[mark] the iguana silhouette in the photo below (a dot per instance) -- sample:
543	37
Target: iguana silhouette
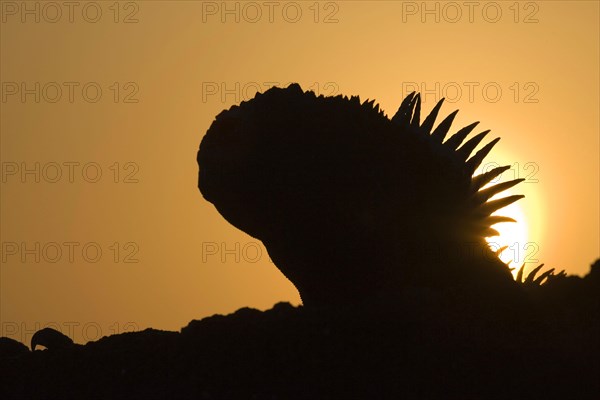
352	205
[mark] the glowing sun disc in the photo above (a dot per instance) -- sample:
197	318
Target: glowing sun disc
513	235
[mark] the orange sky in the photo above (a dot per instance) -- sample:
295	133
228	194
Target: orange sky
131	100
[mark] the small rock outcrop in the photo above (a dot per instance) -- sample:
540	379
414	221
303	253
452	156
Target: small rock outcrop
51	339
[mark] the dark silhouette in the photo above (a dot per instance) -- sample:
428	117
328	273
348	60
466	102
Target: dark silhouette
11	348
381	227
421	348
50	339
353	206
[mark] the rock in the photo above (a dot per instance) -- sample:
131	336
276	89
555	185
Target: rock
11	348
50	339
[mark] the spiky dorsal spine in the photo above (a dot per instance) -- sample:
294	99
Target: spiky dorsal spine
408	119
531	279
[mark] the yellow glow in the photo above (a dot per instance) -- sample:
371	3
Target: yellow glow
513	235
521	238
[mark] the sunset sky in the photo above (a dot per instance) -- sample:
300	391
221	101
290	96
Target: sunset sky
103	107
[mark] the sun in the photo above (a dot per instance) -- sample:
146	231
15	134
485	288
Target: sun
513	235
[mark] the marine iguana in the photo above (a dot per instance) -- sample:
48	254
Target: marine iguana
352	205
